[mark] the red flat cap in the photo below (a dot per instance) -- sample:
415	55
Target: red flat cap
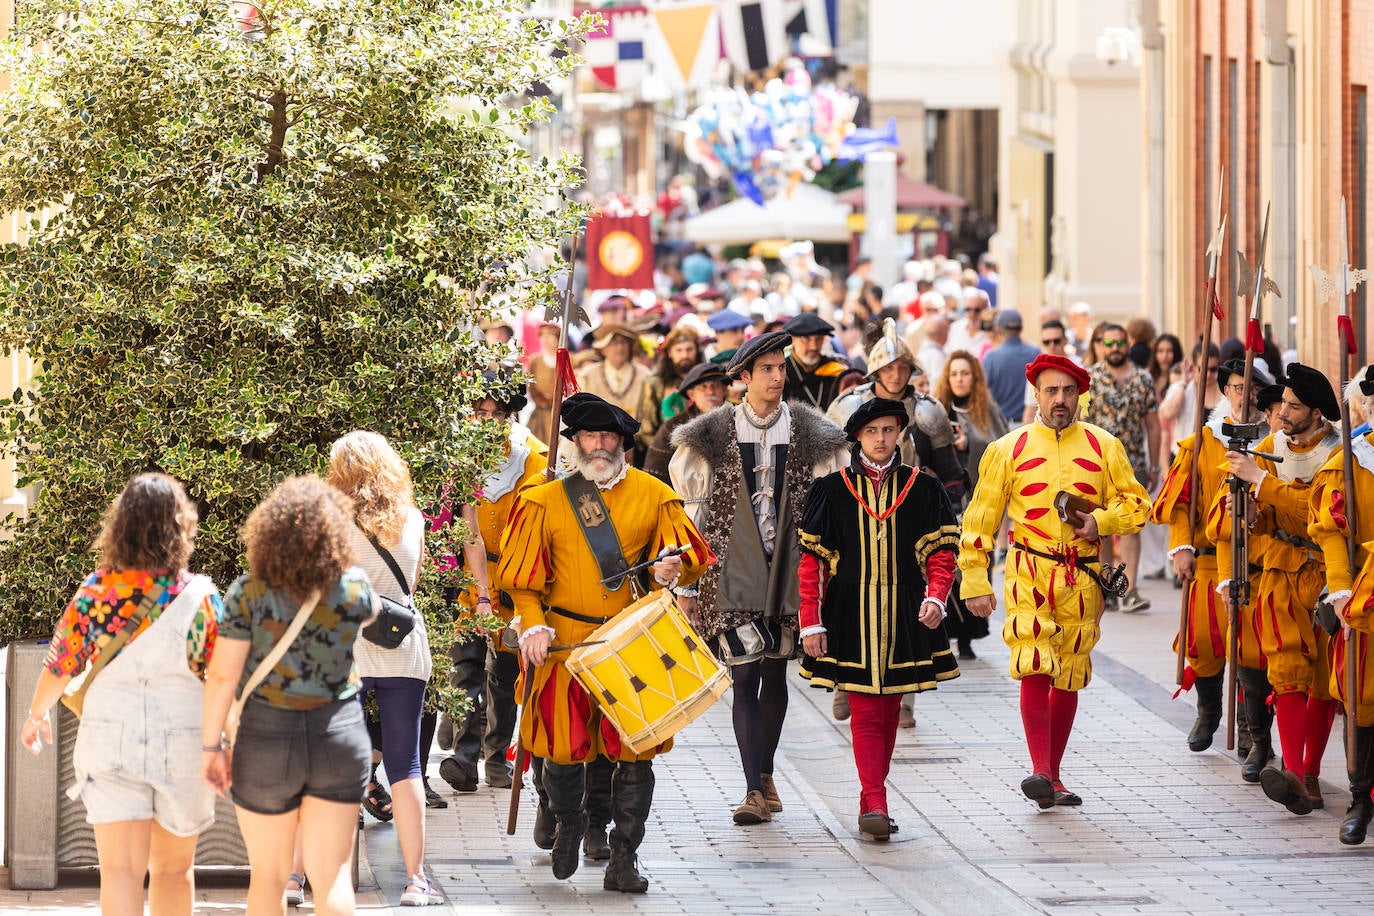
1062	363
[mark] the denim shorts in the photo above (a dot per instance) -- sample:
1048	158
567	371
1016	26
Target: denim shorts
132	776
283	755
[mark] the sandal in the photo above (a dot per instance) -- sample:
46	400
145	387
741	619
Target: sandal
377	802
295	890
420	892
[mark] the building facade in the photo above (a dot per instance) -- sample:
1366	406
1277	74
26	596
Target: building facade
1276	93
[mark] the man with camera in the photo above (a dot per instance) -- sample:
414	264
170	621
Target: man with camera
1055	582
1279	475
1195	564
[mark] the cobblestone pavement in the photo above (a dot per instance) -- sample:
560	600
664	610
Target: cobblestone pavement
1161	830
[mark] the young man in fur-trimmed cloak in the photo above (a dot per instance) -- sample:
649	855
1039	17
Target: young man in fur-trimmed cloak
743	472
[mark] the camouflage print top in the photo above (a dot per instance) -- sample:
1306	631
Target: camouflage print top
318	668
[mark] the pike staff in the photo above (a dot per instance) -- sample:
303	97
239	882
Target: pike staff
567	384
1348	280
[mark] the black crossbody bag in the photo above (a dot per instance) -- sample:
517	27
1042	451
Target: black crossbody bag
395	620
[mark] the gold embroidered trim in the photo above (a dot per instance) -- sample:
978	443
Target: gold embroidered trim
946	536
811	543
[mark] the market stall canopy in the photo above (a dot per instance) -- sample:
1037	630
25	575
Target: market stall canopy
911	195
808	213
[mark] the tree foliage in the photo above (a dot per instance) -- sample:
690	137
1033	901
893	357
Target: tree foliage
247	237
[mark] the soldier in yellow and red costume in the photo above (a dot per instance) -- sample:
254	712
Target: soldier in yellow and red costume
1352	599
1195	563
554	564
1053	592
1291	580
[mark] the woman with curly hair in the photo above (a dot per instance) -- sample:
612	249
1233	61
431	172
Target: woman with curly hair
963	389
140	629
388	527
301	756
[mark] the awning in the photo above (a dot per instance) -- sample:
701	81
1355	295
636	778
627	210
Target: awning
809	213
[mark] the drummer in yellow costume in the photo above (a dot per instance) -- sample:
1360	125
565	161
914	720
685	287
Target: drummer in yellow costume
1291	581
1352	597
1054	600
551	571
1195	564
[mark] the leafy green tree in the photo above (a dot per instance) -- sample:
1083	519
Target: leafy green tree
249	232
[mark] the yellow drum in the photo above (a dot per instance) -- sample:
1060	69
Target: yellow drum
651	673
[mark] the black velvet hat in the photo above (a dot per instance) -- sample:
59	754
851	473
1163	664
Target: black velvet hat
755	347
872	410
505	390
583	412
1237	367
703	372
1313	389
808	324
1269	396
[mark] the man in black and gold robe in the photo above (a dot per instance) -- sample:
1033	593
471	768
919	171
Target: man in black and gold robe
878	561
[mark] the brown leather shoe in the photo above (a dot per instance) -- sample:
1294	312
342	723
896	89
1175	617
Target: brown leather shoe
906	718
839	706
770	793
1313	785
753	810
1286	788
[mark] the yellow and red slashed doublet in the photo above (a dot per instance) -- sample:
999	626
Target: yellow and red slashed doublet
545	562
1052	607
1330	528
1207	618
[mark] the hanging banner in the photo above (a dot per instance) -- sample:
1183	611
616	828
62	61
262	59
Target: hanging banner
620	252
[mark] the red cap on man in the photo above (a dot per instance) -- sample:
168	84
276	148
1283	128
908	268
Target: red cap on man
1062	363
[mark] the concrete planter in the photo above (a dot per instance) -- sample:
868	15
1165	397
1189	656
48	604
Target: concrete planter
45	830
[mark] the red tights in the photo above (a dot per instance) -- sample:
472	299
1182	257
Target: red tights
1304	728
1047	715
873	726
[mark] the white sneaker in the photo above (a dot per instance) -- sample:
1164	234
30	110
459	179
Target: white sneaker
294	896
419	892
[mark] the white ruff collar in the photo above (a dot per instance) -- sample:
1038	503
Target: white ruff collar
504	479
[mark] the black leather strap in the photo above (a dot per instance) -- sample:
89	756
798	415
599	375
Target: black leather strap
391	563
573	615
595	521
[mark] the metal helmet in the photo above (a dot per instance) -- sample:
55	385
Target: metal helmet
889	349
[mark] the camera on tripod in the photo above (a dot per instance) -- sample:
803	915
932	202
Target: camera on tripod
1240	436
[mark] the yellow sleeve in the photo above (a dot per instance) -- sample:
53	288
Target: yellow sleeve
1329	527
1126	506
982	518
675	529
1282	504
524	571
1175	499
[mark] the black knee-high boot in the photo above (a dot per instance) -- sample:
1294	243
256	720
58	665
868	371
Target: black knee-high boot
1208	713
632	794
1355	827
1258	719
543	817
565	784
599	777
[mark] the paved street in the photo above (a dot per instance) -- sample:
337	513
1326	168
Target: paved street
1161	830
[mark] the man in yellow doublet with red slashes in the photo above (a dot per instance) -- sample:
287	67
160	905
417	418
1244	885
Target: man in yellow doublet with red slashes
1195	563
1053	596
1352	598
554	557
1295	648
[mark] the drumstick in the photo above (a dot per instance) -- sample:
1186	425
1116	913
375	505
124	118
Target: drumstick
512	642
672	552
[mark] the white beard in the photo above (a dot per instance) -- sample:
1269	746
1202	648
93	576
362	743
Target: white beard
600	471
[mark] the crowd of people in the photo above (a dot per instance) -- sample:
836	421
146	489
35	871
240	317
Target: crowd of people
815	470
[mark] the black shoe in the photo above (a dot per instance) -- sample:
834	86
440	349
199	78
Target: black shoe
1355	827
463	777
1286	788
499	777
1254	763
1208	713
877	825
623	875
1063	798
567	838
543	827
594	845
433	799
1038	789
966	649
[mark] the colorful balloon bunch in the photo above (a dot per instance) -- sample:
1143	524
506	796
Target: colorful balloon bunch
771	140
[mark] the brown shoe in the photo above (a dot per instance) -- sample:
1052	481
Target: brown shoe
906	718
839	706
753	810
770	793
1286	788
1313	786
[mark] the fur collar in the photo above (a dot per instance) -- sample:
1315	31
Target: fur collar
813	439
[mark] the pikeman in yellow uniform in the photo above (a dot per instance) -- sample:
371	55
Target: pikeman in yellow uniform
1291	581
1352	598
1054	589
563	561
1196	565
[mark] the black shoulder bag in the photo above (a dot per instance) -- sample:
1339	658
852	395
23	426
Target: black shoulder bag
395	620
